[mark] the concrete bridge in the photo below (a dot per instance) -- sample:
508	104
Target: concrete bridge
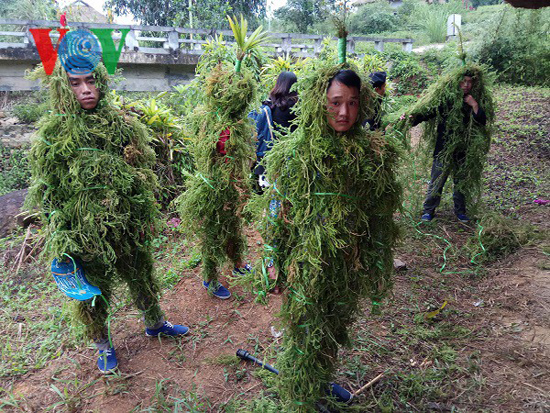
166	57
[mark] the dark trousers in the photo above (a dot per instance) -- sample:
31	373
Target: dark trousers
437	181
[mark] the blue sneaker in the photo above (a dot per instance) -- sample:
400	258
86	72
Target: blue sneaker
427	217
243	270
339	393
168	329
219	291
107	360
463	218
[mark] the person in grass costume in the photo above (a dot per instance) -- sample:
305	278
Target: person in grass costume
92	180
334	230
223	149
458	112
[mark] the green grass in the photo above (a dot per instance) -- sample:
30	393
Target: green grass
32	338
168	397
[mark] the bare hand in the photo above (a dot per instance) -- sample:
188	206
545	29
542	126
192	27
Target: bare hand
468	99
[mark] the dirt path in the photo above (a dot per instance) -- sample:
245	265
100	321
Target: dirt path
508	310
218	328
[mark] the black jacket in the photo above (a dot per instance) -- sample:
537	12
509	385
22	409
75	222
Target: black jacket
479	117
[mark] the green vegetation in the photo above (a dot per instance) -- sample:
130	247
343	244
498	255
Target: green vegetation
28	9
498	237
201	13
515	44
14	169
32	338
211	208
429	361
466	143
173	160
30	112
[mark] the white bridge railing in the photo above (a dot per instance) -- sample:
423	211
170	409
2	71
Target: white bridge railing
169	40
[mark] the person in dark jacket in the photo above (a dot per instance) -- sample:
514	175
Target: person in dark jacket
378	82
275	115
461	137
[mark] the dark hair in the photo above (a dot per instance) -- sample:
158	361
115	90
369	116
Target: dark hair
346	77
377	79
280	95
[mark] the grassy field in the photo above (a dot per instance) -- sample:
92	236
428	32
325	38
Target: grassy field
466	328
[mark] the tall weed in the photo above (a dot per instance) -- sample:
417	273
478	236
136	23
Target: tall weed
515	43
431	19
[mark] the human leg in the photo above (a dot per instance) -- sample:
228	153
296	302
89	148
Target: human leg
460	203
460	206
435	188
210	276
138	272
94	313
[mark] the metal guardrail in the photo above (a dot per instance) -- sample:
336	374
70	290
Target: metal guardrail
184	40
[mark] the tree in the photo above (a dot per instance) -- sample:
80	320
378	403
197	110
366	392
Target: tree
303	14
209	14
374	18
28	9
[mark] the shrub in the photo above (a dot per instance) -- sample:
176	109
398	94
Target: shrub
30	112
14	169
410	77
396	106
431	19
173	158
477	3
515	44
439	60
375	17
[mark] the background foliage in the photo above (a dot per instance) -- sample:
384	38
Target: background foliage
209	14
28	9
515	43
14	169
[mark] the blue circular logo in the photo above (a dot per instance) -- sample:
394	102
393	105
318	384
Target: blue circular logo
79	52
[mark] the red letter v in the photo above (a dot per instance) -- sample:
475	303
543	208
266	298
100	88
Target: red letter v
48	55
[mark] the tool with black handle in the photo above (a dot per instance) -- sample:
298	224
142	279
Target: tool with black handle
336	391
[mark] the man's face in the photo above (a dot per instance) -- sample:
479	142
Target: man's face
466	85
381	90
343	106
85	90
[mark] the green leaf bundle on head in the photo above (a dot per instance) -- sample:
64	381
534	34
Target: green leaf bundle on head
334	234
470	139
211	207
245	45
92	180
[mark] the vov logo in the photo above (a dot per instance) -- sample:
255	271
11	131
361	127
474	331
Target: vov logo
79	51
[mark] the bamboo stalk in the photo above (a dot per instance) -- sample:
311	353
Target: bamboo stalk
369	384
